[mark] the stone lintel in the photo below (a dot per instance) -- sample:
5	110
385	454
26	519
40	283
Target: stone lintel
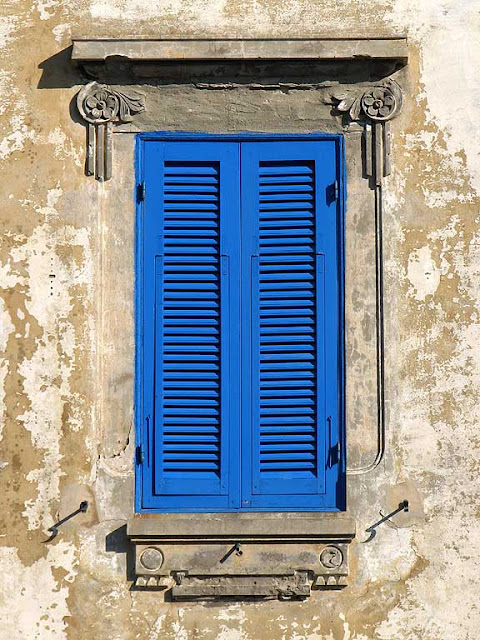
157	50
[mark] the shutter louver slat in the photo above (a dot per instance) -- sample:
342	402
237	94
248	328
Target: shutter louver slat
191	306
287	344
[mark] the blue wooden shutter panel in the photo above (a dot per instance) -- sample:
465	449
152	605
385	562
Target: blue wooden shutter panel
241	316
190	225
293	233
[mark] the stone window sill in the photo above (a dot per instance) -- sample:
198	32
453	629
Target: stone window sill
244	555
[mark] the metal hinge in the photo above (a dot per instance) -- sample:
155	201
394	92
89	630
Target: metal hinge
139	454
334	451
141	192
333	192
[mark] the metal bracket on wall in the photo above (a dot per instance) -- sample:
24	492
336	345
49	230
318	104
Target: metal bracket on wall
372	529
101	107
54	528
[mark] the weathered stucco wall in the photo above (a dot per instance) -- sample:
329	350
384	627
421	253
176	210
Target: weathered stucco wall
66	276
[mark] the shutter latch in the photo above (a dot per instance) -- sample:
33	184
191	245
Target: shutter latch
333	456
139	454
141	192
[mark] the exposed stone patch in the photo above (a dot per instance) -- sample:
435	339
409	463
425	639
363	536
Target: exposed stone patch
39	608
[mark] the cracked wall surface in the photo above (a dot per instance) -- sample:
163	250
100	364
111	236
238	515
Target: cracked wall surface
67	343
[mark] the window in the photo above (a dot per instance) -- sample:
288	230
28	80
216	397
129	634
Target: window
239	323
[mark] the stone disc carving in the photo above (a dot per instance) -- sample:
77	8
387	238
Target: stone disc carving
151	559
379	104
331	558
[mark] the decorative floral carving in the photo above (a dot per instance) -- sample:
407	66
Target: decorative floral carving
374	107
99	104
379	103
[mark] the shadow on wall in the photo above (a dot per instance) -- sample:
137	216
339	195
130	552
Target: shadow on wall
117	542
59	72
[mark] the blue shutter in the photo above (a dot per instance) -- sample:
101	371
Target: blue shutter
239	326
191	224
291	323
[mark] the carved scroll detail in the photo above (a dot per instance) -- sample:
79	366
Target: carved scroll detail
375	107
101	106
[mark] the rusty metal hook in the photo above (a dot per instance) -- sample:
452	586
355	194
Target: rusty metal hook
54	528
403	506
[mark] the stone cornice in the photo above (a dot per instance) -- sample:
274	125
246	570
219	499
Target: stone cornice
87	50
372	106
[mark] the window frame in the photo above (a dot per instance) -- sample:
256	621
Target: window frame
141	441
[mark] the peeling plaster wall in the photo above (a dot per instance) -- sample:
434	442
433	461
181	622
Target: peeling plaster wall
66	378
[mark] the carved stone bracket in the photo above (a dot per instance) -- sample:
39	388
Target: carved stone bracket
101	107
374	107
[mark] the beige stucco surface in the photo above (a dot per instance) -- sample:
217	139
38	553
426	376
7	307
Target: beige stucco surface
66	334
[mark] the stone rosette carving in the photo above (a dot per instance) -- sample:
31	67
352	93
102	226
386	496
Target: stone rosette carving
379	103
373	106
101	106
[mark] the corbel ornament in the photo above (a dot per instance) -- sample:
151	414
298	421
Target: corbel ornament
101	107
374	107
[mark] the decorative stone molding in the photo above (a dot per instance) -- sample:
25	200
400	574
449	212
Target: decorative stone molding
240	555
101	106
374	107
259	569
